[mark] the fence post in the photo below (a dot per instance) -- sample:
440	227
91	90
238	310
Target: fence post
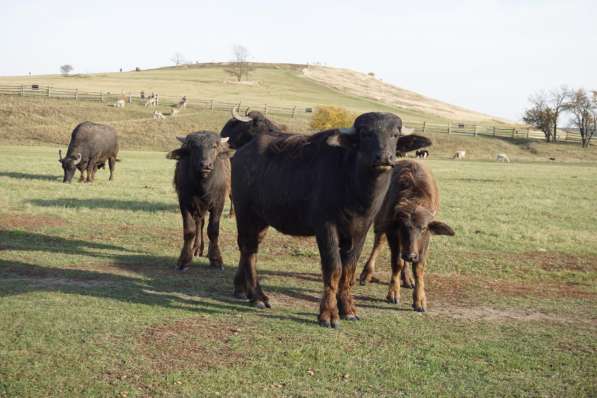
528	133
211	105
293	112
265	109
424	127
449	127
76	94
22	90
49	91
475	132
514	133
494	131
130	99
101	96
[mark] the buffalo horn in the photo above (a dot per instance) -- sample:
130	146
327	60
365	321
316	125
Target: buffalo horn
239	117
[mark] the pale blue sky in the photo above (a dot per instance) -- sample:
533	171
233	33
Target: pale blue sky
484	55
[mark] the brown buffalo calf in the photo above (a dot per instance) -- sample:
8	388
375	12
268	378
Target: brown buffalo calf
407	220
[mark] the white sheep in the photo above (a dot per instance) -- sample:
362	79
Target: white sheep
502	157
119	104
459	155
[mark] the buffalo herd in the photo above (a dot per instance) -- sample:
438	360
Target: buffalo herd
333	185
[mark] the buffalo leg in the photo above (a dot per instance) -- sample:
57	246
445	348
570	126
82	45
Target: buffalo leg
82	178
189	232
397	268
369	268
231	212
250	234
331	267
406	278
350	251
112	165
419	298
213	233
199	245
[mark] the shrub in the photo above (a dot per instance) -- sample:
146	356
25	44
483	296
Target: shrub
331	117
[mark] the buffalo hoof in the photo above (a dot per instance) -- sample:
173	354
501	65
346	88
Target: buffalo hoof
328	324
262	304
217	264
239	294
408	285
419	309
393	300
183	267
351	317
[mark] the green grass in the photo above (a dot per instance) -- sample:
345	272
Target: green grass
90	304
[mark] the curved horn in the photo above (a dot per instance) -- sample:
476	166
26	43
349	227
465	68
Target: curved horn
78	159
224	140
239	117
181	138
349	130
60	155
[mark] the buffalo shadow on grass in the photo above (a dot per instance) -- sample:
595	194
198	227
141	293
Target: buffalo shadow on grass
104	203
28	176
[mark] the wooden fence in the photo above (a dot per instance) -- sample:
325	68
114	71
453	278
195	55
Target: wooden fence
456	128
34	90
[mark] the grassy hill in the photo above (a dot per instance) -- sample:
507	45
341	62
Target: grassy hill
273	84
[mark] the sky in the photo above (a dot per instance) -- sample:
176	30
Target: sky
488	56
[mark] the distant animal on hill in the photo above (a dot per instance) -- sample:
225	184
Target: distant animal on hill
459	155
158	115
174	112
91	145
407	220
182	103
422	154
119	104
152	100
502	157
329	184
201	179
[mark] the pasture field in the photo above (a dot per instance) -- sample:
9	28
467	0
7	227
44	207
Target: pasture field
90	304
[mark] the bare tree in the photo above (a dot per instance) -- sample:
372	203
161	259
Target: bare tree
66	69
178	58
240	67
583	109
545	111
540	115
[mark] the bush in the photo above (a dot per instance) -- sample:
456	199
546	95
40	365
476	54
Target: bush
331	117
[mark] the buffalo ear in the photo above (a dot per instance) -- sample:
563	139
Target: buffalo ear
177	154
225	151
440	228
407	143
341	140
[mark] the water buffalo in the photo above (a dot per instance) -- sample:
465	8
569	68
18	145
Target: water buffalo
91	144
201	181
330	185
242	129
407	220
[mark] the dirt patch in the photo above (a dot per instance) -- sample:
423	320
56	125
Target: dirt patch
484	313
194	342
29	222
556	261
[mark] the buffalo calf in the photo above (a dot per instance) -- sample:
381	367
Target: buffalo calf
407	220
201	180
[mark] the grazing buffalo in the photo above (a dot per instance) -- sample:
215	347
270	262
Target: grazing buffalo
330	185
91	144
201	181
407	220
422	154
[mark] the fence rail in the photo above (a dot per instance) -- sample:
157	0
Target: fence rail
455	128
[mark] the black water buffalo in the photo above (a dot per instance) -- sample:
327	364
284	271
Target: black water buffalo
330	185
91	145
201	180
242	129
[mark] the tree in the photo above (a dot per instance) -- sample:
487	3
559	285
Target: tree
177	58
583	109
240	66
66	69
557	99
541	116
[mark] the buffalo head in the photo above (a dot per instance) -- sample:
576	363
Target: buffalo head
202	149
69	165
241	129
416	226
